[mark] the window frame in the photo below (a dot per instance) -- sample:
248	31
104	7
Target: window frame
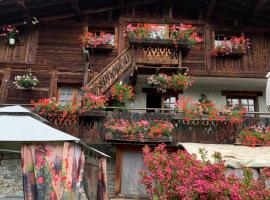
75	93
243	95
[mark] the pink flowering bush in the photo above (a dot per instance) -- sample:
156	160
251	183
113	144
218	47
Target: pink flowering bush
179	175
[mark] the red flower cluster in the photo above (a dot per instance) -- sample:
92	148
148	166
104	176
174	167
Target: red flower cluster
93	102
180	175
237	45
138	130
182	32
9	31
59	114
176	82
121	93
196	110
255	135
92	40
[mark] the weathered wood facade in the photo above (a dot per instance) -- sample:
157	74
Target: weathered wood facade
53	51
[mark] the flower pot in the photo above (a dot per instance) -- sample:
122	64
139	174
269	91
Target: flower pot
27	85
11	41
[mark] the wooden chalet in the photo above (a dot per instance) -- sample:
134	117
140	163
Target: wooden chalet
52	49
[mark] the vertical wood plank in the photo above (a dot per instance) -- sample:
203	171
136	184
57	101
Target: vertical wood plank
53	84
4	84
118	174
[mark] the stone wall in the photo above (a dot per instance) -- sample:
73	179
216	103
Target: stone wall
11	184
111	176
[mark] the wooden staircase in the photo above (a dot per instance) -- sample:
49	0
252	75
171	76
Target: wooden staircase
121	65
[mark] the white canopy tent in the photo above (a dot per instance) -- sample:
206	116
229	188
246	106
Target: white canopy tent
268	91
19	125
235	156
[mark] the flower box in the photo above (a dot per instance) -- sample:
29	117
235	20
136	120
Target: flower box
241	141
131	138
102	47
94	113
182	44
233	52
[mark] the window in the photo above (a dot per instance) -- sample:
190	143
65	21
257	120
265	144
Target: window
248	103
169	102
68	94
248	100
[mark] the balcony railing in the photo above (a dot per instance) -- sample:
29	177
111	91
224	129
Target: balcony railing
201	130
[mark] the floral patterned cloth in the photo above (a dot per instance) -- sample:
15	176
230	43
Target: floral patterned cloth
102	180
52	171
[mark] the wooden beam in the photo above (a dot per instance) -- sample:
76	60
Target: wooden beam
114	7
210	9
53	84
76	7
25	11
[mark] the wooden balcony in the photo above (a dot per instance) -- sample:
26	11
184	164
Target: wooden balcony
158	51
198	130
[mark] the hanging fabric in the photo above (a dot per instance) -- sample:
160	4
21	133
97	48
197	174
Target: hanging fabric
52	171
102	180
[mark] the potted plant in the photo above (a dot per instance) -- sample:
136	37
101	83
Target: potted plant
255	135
180	81
161	81
121	93
91	102
10	32
27	81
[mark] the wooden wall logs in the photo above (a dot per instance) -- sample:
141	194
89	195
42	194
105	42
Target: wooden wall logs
24	50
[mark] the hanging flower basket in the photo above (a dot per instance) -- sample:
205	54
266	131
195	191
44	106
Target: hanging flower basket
27	81
10	32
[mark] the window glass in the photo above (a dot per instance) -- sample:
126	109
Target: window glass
246	102
169	102
67	95
158	32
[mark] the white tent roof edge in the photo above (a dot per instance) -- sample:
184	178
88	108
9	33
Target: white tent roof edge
20	125
235	156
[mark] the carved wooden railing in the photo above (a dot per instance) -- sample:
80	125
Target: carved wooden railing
197	130
111	73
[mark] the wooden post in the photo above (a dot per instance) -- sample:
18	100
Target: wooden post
4	84
53	84
180	59
119	154
86	53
